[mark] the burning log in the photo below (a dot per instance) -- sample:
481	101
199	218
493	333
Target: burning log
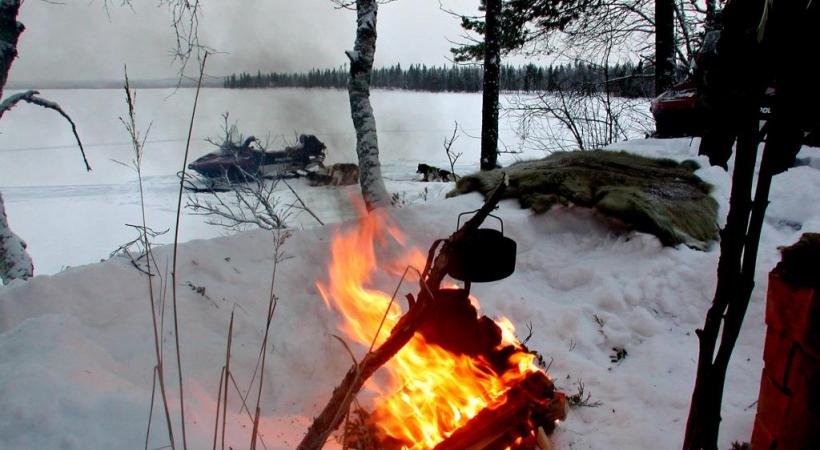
515	422
331	416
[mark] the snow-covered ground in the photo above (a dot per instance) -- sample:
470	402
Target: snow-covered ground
77	346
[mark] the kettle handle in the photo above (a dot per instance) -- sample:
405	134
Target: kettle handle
458	223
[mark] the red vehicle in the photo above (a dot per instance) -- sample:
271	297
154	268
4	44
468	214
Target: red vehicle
679	111
676	112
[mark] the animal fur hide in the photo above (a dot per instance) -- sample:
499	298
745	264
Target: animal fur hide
657	196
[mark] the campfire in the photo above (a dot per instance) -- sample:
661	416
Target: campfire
458	380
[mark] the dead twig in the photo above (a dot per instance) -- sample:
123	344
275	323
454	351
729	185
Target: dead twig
304	206
218	404
279	236
144	238
31	96
452	155
227	374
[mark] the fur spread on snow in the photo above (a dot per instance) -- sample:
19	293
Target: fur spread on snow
657	196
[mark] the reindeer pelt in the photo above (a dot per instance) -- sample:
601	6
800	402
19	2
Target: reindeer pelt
657	196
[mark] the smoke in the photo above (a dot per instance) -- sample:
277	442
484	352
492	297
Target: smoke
87	41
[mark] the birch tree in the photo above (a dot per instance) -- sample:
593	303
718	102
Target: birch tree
15	263
361	111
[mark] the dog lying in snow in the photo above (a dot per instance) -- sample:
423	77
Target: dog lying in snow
335	175
430	173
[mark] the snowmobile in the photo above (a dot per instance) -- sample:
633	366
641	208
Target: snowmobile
247	161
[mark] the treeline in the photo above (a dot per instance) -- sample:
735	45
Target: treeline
625	80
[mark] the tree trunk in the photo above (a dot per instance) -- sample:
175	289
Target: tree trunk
367	143
704	412
755	48
15	263
664	45
492	69
711	14
10	30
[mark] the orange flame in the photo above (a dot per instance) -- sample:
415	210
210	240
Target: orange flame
430	392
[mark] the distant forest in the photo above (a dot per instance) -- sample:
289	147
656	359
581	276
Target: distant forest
625	80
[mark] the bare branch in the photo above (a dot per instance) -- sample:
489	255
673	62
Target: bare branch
452	155
304	206
31	96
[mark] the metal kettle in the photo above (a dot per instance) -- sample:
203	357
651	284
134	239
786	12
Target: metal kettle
483	255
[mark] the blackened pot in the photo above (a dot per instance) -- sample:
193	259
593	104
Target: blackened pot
482	256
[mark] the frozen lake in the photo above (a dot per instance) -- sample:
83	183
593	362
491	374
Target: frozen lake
70	217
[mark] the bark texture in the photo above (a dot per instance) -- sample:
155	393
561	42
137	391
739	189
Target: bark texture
367	142
756	48
10	30
664	45
14	261
492	69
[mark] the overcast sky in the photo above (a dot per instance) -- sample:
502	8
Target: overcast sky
78	40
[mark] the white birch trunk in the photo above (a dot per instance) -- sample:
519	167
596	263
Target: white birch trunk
367	143
15	263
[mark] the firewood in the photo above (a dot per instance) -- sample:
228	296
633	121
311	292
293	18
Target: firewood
331	416
530	404
542	439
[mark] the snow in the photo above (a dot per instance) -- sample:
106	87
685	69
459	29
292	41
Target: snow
77	345
69	217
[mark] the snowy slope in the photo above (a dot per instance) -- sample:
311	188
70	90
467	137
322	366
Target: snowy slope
77	347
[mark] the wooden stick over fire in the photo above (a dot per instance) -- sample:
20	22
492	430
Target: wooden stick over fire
331	416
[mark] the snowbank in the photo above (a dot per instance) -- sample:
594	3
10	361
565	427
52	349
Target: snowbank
77	347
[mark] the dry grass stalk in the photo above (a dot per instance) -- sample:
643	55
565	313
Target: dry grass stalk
228	373
218	404
279	238
138	144
176	248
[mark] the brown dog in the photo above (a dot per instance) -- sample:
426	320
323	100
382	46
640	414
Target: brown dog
335	175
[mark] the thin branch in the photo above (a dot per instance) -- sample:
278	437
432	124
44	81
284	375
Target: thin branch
31	96
452	156
304	206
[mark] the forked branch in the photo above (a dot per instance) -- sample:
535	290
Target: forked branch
331	416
